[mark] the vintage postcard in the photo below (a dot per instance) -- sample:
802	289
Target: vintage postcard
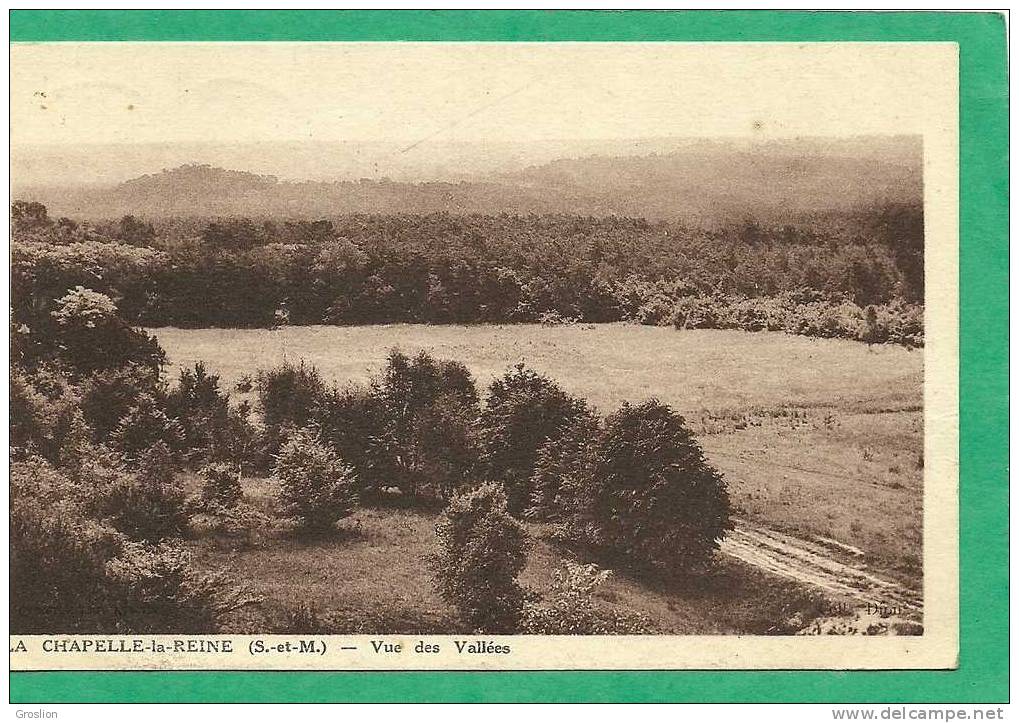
484	356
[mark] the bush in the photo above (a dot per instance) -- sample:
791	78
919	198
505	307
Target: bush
410	384
144	426
148	504
444	446
564	469
203	412
89	336
243	441
27	426
417	394
315	486
354	422
481	550
657	502
45	418
161	593
221	485
220	508
107	396
569	607
58	557
76	574
288	396
806	312
523	411
694	312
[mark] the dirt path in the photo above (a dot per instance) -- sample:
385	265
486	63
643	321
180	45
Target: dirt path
826	564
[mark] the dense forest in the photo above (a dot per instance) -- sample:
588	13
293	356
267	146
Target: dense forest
856	276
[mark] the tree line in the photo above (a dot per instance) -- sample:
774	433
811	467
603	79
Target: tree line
857	276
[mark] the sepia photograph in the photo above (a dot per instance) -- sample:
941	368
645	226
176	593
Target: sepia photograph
483	355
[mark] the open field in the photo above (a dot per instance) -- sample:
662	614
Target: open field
817	438
692	370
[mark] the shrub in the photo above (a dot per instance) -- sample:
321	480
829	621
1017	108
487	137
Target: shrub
162	593
243	444
220	508
416	395
315	486
656	501
144	426
694	312
564	469
302	619
240	525
203	412
554	318
58	567
481	550
148	504
221	485
905	323
569	607
444	446
410	384
288	396
89	336
523	411
76	574
354	422
58	556
108	395
45	418
806	312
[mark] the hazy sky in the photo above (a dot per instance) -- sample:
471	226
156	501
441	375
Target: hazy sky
414	92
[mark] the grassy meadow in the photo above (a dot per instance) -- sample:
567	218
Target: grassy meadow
819	438
373	577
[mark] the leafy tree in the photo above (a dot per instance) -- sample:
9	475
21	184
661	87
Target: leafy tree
523	411
417	394
89	336
135	232
657	502
288	396
232	235
27	216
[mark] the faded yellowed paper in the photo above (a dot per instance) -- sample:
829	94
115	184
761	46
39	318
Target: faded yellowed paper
788	90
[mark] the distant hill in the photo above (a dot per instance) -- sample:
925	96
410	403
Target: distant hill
706	181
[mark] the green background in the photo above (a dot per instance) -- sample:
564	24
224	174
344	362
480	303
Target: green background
983	667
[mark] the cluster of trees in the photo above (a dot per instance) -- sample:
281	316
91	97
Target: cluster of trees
633	489
97	506
99	510
804	313
465	269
